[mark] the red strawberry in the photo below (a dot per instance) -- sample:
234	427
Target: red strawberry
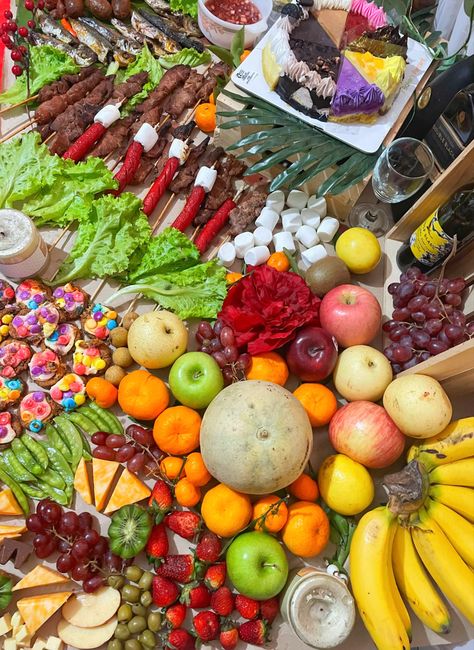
161	500
206	626
176	614
182	568
209	547
269	609
196	596
222	601
253	632
180	640
215	576
229	636
247	607
157	546
164	591
184	523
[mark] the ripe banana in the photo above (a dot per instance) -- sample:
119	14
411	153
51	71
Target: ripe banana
447	568
415	584
458	530
458	498
370	555
454	443
398	600
461	472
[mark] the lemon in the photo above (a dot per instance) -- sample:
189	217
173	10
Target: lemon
345	485
359	249
270	67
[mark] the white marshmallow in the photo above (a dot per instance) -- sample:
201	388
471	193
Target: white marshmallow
243	243
107	115
179	149
328	228
303	266
146	136
262	236
291	220
226	254
310	217
276	200
297	199
267	218
318	204
256	256
206	178
307	236
283	240
313	254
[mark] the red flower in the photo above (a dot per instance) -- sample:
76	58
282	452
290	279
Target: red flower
265	309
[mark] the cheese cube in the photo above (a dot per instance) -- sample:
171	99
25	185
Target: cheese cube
54	643
5	624
39	644
17	622
10	644
22	636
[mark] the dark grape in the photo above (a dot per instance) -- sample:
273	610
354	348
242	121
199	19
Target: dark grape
44	544
215	345
470	328
396	367
457	285
112	562
397	333
92	584
41	505
424	356
417	302
410	363
433	326
35	524
406	340
418	317
243	362
458	318
99	438
227	336
205	330
443	286
80	549
231	353
429	289
199	338
125	453
442	336
453	299
142	436
228	375
51	512
399	302
432	310
388	325
69	524
103	453
435	347
63	546
220	359
91	536
406	290
136	463
421	339
392	288
388	351
206	349
455	333
85	521
218	325
114	441
101	547
413	272
402	314
401	354
79	572
65	563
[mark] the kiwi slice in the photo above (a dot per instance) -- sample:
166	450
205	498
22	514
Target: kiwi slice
129	531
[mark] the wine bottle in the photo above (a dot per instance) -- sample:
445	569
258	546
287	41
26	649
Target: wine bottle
432	241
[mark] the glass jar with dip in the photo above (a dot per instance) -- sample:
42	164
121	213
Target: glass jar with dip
220	20
318	607
23	252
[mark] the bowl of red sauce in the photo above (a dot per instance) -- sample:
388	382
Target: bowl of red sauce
219	20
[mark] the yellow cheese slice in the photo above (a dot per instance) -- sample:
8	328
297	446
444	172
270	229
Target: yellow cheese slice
8	503
9	531
36	610
81	482
129	489
104	472
39	576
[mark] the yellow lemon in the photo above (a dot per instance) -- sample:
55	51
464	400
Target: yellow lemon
345	485
359	249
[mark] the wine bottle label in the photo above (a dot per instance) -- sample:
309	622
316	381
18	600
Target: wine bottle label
429	243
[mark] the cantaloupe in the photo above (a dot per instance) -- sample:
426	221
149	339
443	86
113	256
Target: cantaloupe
81	482
36	610
12	531
40	576
129	489
104	472
256	437
8	503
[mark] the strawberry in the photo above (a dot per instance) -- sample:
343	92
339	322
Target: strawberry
175	615
164	591
184	523
215	576
161	500
206	626
222	601
209	547
182	568
247	607
229	636
269	609
157	546
180	639
196	596
253	632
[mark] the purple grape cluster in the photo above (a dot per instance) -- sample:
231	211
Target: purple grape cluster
219	342
136	448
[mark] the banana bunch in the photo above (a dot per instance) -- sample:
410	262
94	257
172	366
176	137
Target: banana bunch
394	558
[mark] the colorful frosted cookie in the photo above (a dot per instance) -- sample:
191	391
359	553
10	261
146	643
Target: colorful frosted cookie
11	391
69	392
46	368
91	357
7	294
35	324
71	301
63	338
31	294
6	317
98	321
10	427
14	357
36	409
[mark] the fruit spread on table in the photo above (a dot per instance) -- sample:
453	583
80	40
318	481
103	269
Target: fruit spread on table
204	470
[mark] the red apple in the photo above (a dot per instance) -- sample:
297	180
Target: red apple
312	354
365	432
352	314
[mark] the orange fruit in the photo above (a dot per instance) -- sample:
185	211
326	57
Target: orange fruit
186	493
271	517
230	278
212	99
176	430
318	401
304	488
172	467
306	533
205	117
195	470
268	366
244	55
225	511
142	395
279	261
102	391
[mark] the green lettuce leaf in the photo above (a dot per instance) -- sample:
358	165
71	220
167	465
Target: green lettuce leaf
187	56
185	6
46	65
145	62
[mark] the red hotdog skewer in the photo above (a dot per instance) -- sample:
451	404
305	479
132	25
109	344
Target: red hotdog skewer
144	140
215	224
178	154
203	184
84	143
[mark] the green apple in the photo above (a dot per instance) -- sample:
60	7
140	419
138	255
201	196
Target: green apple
195	379
257	565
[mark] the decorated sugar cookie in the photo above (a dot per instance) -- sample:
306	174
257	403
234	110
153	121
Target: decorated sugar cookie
69	392
70	300
6	317
98	321
36	324
7	294
10	427
11	391
46	368
91	357
31	293
36	409
14	357
63	338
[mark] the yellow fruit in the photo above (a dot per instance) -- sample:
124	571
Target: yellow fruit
345	485
461	472
271	69
359	249
458	530
453	443
460	499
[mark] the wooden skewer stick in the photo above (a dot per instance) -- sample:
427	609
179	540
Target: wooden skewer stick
58	239
195	233
18	129
24	101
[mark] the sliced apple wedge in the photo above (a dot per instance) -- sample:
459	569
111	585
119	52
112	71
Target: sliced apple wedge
91	610
85	638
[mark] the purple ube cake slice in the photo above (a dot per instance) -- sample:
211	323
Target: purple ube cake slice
355	98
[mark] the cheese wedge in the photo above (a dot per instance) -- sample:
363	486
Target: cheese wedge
129	489
104	472
81	482
36	610
11	531
8	503
40	576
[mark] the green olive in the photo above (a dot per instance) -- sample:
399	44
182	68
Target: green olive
124	613
139	610
122	632
137	624
154	621
130	593
146	580
117	582
115	644
133	644
146	599
133	573
147	639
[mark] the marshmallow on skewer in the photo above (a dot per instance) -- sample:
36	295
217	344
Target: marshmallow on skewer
243	242
257	255
307	236
318	204
328	228
276	201
282	240
297	199
291	220
267	218
226	254
310	217
313	254
262	236
107	115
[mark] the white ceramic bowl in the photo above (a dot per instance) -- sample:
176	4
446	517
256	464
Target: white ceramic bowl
220	32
